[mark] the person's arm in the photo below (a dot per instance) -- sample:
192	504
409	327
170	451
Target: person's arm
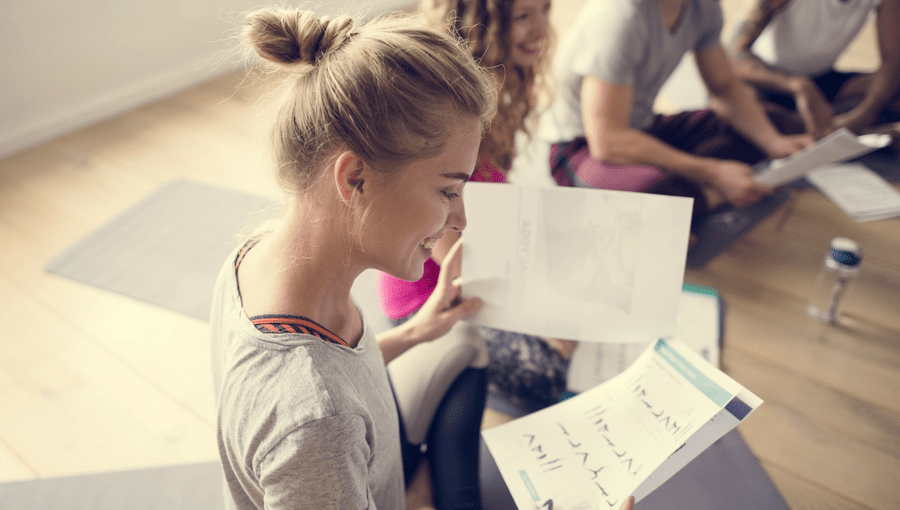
814	108
884	83
439	313
606	108
734	101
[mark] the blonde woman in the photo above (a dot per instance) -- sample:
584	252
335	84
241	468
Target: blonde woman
377	135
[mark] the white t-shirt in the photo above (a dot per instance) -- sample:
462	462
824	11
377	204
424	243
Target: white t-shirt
624	42
807	36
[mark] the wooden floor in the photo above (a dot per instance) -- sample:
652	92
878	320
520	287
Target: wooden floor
91	381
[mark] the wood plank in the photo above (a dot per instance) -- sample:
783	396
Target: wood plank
223	144
871	424
785	437
802	494
12	466
866	380
70	407
166	348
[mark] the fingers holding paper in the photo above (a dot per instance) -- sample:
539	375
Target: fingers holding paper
445	307
786	145
734	180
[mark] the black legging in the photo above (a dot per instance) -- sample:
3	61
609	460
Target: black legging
452	444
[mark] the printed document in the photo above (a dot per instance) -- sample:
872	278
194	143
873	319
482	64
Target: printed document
624	437
698	325
840	145
575	263
860	192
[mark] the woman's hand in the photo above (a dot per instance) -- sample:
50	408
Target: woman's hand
628	504
445	307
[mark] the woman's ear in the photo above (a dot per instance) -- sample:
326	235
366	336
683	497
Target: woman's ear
348	175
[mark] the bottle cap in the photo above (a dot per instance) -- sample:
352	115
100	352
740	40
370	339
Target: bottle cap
846	252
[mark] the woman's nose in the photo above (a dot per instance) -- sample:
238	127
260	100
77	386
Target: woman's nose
541	25
457	218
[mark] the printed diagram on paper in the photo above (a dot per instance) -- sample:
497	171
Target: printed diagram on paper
579	264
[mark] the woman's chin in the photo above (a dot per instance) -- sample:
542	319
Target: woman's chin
411	274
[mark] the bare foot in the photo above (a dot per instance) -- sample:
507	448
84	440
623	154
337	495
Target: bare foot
420	492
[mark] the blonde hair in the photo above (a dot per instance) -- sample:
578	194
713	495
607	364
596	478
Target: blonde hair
387	90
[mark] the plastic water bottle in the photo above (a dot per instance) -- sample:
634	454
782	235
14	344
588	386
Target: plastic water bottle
839	270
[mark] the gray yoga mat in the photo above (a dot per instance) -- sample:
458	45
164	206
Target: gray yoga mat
168	248
183	487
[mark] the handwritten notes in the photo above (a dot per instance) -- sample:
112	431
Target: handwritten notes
840	145
574	263
626	436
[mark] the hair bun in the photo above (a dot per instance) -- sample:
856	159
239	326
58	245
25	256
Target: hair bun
293	36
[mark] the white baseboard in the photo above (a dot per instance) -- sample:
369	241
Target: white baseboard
108	105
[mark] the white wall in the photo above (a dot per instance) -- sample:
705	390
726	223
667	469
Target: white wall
65	64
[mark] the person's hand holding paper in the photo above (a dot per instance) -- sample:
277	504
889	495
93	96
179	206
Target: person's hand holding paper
840	145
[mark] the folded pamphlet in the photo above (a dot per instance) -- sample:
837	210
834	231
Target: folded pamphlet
624	437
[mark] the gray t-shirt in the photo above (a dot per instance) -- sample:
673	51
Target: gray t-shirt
808	36
302	423
624	42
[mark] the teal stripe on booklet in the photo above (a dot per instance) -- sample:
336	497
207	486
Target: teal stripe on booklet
529	485
712	390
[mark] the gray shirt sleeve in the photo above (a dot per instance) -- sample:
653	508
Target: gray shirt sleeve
613	47
322	465
711	30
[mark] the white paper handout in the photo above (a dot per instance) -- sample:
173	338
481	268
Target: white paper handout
698	326
624	437
575	263
840	145
860	192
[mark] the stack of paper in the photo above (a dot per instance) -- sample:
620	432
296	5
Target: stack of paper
624	437
698	325
860	192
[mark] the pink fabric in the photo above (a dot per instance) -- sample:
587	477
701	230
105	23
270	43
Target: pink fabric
603	175
399	298
487	172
